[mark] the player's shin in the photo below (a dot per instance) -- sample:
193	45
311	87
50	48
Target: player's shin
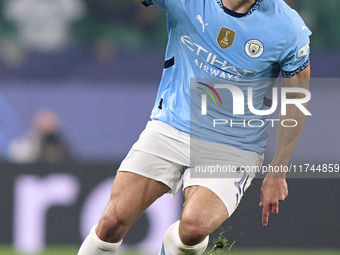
172	244
92	245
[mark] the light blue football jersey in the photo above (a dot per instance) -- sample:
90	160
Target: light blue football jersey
249	50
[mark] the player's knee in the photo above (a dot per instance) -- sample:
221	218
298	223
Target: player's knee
112	226
192	230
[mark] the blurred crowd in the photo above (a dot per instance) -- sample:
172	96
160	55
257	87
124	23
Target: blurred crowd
53	25
42	142
108	25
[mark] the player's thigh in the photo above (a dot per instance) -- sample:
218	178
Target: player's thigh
131	195
203	212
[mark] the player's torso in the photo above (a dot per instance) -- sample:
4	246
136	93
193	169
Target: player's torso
206	42
217	44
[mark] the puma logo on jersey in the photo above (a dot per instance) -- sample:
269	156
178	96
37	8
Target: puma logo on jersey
201	21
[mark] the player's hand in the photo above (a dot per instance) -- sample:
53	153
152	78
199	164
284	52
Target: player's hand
273	191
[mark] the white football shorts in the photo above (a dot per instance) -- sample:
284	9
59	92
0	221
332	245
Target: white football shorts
166	154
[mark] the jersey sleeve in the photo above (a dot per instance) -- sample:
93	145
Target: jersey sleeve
295	56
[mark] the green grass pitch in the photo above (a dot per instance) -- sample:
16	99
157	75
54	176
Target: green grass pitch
72	250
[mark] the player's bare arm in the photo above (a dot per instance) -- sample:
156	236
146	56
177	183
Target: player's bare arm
274	188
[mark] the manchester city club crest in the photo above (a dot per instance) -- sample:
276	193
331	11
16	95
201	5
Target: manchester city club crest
254	48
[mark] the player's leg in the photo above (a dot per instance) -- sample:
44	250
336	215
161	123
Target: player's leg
160	155
203	212
131	195
209	201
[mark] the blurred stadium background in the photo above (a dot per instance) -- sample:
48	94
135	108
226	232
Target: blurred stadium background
78	79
